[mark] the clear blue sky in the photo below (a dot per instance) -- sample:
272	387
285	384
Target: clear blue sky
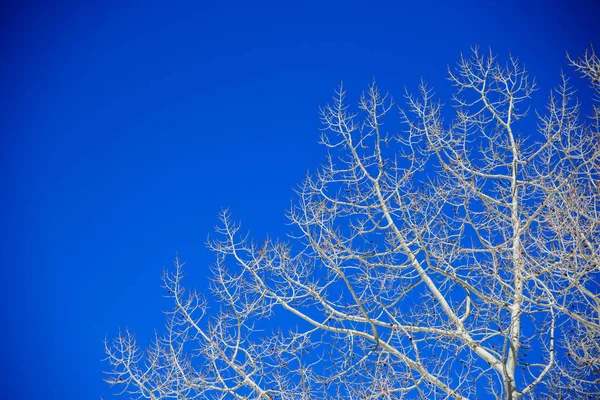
127	126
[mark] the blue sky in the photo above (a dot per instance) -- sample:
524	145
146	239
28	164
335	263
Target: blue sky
127	126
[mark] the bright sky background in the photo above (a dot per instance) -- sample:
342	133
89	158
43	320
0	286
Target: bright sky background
127	126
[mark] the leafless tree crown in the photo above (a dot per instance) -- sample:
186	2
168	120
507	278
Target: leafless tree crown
456	259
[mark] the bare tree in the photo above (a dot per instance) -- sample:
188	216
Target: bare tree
454	260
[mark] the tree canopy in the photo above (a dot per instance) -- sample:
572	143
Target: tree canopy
456	258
